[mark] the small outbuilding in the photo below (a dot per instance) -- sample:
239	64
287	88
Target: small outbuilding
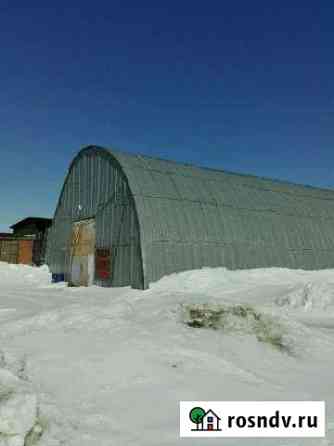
31	227
27	243
125	219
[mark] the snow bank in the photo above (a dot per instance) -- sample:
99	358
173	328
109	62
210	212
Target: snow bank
86	362
18	410
18	415
309	296
23	275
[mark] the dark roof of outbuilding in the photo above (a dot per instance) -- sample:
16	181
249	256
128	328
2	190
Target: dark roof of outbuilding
38	220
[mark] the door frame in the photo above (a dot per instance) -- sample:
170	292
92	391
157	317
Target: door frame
82	267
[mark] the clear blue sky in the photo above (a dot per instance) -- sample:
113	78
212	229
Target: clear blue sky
241	85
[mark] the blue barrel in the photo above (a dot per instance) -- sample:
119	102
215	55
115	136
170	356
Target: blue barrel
58	277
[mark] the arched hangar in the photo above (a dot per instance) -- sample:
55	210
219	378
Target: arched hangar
125	219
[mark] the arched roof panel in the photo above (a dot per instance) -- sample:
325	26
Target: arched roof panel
192	217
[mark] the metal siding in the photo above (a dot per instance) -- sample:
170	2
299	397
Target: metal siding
191	217
252	221
97	184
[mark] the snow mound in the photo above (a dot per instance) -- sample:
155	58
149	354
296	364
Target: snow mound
309	296
18	410
18	415
78	359
24	275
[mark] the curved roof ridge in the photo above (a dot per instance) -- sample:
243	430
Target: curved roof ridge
212	169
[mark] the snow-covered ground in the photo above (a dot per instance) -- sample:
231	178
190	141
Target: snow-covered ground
108	367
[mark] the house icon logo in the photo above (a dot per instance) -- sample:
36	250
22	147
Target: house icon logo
204	420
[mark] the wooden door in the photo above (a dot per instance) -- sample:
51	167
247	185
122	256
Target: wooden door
25	252
82	253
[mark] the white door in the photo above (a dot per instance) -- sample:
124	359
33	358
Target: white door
83	253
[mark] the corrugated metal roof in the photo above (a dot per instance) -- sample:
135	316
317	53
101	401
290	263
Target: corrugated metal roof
191	217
